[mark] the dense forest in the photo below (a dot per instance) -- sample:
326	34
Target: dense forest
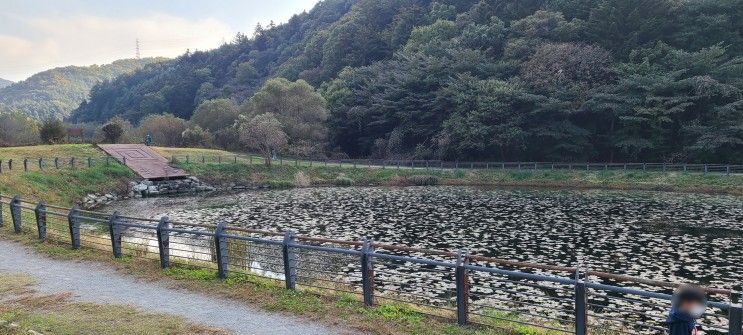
57	92
5	83
581	80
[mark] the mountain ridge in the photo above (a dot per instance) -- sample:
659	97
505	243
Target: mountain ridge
518	80
54	93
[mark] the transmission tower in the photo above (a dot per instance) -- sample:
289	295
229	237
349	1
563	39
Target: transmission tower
137	48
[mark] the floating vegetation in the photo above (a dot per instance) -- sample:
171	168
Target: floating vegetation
662	236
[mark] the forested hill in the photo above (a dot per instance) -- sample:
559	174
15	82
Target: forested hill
599	80
4	83
57	92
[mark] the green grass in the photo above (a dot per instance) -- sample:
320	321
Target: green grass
65	185
286	176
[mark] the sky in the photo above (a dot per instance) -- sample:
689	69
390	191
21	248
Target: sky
36	35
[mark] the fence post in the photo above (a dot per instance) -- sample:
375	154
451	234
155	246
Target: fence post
235	159
56	163
219	159
367	273
72	162
735	316
2	223
706	168
1	166
290	261
74	223
15	213
727	170
40	212
10	164
220	242
644	166
188	159
581	316
463	289
90	162
115	231
41	164
163	242
25	164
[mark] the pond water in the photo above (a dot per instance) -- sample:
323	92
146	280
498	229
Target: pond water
655	235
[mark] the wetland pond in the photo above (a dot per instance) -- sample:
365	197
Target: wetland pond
656	235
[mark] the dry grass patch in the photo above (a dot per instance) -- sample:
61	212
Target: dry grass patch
56	314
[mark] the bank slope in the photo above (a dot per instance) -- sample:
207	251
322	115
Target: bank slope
64	185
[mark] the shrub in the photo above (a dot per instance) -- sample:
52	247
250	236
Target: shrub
196	136
302	180
165	129
112	132
52	131
343	181
424	180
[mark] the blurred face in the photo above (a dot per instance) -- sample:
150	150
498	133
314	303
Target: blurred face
694	308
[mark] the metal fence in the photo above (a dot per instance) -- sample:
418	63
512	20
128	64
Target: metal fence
461	287
464	165
55	163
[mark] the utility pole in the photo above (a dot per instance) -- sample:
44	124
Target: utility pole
138	56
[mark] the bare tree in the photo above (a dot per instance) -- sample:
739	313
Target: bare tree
263	133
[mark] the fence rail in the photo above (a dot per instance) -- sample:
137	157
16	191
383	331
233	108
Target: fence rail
26	164
465	165
55	163
466	288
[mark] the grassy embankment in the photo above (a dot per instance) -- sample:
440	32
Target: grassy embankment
64	185
25	310
302	174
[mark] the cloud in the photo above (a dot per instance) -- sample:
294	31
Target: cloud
86	40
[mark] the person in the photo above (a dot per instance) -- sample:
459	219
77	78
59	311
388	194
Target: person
689	304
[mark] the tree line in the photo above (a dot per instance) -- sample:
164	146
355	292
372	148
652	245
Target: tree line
538	80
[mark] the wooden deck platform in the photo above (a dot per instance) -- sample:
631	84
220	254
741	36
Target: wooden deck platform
143	160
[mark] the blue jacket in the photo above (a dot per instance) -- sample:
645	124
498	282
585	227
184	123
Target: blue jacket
680	323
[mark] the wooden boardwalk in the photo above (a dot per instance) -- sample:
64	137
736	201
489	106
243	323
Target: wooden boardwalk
143	160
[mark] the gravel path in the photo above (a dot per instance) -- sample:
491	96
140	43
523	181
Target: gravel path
91	282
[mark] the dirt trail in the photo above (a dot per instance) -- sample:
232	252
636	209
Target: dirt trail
91	282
